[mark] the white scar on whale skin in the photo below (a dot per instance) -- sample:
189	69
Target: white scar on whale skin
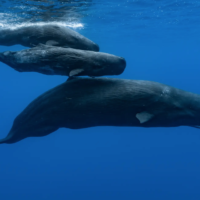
144	117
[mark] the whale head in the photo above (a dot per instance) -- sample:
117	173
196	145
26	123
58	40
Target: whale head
107	64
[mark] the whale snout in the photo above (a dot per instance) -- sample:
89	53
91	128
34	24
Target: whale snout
121	66
84	43
117	66
92	47
96	47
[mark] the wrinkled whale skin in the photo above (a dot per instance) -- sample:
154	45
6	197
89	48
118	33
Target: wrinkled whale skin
87	102
50	34
51	60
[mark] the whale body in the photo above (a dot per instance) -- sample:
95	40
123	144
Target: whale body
49	34
87	102
51	60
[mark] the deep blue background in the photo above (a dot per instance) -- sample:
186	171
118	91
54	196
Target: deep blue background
108	162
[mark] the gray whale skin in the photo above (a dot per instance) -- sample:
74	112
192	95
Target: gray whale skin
48	34
51	60
89	102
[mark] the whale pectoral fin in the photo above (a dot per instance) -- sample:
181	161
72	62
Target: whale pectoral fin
52	43
75	72
33	45
144	117
42	45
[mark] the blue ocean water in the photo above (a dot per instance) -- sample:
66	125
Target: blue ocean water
160	41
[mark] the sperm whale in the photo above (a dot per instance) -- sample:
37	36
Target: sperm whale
51	60
49	34
87	102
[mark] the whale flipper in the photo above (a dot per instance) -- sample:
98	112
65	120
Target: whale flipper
75	72
52	43
143	117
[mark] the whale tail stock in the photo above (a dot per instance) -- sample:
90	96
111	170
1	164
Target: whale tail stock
5	140
2	141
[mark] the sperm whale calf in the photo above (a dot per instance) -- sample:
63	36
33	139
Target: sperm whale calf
49	34
51	60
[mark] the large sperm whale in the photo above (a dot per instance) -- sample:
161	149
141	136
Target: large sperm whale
87	102
48	34
51	60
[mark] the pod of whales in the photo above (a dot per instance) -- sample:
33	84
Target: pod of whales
48	34
52	60
87	102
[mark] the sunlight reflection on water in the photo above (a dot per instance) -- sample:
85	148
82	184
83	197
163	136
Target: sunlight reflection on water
74	25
